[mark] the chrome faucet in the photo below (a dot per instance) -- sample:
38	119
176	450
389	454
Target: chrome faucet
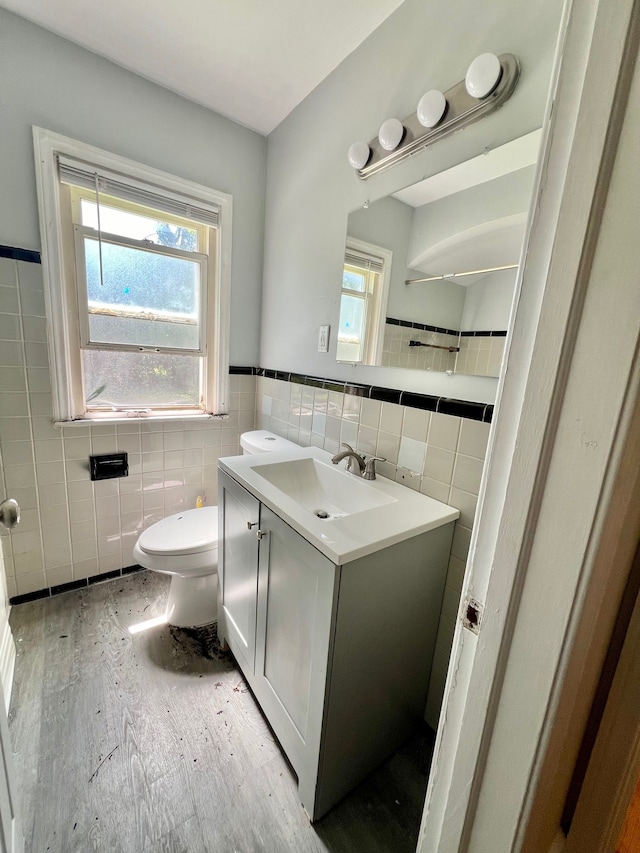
356	463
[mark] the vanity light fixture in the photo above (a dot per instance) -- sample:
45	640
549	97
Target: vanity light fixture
359	154
489	82
483	75
431	108
390	134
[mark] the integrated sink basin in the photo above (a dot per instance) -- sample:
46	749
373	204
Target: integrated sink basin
343	516
323	489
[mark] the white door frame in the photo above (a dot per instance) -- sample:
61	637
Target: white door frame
11	834
489	753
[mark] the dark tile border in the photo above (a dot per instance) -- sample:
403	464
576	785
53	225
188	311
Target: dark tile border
445	405
499	333
423	327
408	324
14	254
73	585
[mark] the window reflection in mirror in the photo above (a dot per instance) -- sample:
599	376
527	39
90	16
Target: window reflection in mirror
431	313
365	285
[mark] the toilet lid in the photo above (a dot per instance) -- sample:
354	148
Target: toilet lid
189	532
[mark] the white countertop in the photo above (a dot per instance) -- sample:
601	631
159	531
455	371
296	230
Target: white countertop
407	513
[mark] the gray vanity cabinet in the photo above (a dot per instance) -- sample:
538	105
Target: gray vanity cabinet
296	586
238	552
338	657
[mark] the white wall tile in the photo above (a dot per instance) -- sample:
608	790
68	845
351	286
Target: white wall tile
370	413
439	464
11	353
82	530
411	454
14	428
415	424
58	555
38	379
86	549
466	503
460	544
13	379
14	404
367	440
30	582
19	477
30	561
9	303
10	327
17	453
49	450
444	431
474	436
8	272
34	329
467	473
391	418
59	575
53	515
388	447
435	489
53	494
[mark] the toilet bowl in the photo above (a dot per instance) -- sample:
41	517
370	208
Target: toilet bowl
185	546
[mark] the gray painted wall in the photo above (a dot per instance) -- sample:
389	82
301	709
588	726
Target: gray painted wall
487	303
311	188
50	82
387	223
441	219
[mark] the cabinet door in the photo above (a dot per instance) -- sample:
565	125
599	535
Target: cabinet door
238	568
295	609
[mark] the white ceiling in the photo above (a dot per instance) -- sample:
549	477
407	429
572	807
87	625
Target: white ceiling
250	60
492	164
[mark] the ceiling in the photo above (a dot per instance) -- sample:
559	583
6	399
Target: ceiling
249	60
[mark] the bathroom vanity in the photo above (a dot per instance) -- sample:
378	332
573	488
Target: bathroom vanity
332	619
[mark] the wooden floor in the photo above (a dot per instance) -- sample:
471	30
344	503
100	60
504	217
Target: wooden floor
151	743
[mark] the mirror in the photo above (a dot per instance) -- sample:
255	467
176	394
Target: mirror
429	271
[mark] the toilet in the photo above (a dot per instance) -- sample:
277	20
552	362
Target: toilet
185	546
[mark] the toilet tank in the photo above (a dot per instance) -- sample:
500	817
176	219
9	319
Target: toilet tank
263	441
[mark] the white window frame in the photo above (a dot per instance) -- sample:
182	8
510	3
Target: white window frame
63	324
376	301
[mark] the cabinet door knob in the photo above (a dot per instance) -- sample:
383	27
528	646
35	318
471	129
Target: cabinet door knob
261	534
251	524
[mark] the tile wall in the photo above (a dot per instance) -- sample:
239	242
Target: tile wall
72	528
396	351
480	355
439	455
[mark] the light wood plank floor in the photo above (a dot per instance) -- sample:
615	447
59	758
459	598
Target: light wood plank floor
144	744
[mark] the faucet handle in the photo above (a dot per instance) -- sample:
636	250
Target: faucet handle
370	467
348	446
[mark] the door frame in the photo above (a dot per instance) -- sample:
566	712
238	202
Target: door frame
490	750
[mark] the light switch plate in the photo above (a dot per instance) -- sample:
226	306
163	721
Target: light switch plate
323	339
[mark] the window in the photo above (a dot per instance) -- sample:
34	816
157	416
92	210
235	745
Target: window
137	282
365	281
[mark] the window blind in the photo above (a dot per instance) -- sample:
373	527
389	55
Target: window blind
80	174
362	261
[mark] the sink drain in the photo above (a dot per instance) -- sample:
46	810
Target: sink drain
321	513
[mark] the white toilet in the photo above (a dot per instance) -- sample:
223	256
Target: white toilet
185	546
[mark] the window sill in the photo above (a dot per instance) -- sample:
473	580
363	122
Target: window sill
118	419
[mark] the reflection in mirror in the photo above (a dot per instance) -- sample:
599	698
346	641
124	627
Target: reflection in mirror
429	271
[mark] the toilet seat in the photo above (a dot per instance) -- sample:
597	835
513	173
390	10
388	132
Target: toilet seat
191	532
